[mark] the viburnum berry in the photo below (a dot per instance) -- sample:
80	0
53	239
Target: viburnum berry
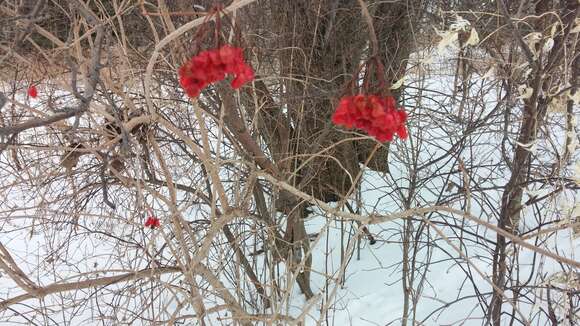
152	222
377	116
214	65
32	91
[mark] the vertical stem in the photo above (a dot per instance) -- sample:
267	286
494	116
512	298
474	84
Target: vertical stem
406	285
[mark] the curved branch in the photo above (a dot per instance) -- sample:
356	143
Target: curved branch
379	218
103	281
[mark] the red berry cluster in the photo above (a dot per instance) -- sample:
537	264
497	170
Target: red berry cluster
376	115
152	222
213	65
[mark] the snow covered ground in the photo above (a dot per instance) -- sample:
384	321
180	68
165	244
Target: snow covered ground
445	285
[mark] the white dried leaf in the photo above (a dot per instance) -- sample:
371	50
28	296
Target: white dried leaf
531	147
473	38
575	98
460	24
576	211
548	45
558	104
576	28
573	140
554	29
448	38
577	173
528	71
532	40
525	92
558	278
399	83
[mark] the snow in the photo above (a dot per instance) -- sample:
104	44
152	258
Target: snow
445	284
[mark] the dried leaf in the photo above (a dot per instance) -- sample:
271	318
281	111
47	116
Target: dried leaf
554	29
572	140
576	28
576	176
575	97
460	24
399	83
576	225
69	160
448	38
531	147
525	92
450	186
473	38
532	40
548	45
557	104
117	164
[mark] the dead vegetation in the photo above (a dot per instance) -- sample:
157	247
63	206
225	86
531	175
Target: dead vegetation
233	176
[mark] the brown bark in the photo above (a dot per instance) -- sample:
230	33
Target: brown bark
322	46
534	111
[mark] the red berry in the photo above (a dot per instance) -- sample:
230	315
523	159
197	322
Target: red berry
32	91
402	132
376	115
213	65
152	222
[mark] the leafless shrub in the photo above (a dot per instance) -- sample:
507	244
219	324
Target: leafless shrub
253	187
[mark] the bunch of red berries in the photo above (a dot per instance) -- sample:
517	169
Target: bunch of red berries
213	65
376	115
152	222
